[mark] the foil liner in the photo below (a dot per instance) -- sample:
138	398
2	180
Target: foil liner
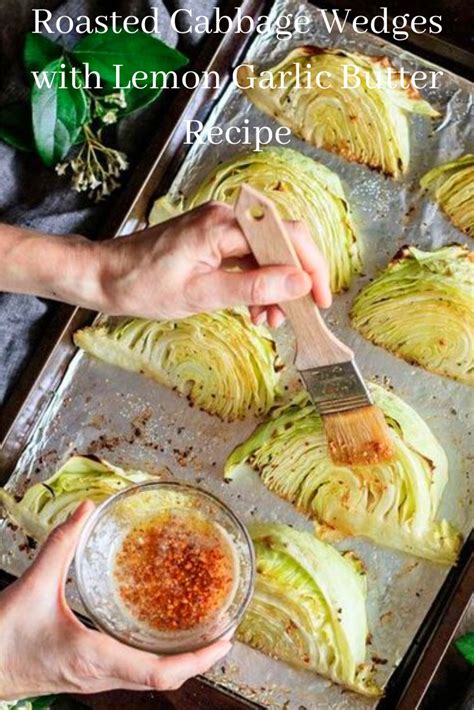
127	420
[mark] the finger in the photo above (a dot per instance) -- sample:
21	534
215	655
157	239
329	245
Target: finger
264	286
312	261
140	668
52	564
178	669
229	635
275	316
258	314
221	230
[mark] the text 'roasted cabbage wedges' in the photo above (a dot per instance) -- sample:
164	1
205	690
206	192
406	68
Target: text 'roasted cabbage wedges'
452	186
221	361
308	607
49	503
394	503
367	123
421	308
301	188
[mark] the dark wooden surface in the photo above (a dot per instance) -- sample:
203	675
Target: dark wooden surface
424	660
457	15
193	695
451	49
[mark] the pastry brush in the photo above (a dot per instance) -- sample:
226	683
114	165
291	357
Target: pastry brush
355	428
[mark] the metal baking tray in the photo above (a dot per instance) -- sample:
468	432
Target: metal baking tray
77	404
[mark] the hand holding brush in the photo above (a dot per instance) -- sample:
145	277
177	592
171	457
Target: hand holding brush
355	428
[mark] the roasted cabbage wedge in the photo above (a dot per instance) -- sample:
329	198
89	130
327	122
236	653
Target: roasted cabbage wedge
393	503
300	187
421	308
308	607
45	505
221	361
452	187
366	124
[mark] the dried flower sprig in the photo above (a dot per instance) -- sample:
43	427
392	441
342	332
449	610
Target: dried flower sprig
107	108
117	99
96	167
65	115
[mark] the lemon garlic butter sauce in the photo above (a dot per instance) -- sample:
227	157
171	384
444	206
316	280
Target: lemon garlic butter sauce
175	571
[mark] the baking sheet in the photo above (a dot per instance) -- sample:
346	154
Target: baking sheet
122	417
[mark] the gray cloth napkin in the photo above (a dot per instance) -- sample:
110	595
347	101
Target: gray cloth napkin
34	196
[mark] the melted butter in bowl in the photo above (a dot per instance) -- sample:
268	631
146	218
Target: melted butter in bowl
165	567
176	571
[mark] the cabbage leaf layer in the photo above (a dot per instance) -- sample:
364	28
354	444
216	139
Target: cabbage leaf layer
393	503
49	503
421	308
308	608
366	124
301	188
221	361
452	186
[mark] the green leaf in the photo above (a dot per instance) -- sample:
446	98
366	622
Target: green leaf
465	646
51	702
138	98
64	702
134	52
39	52
58	114
44	702
15	126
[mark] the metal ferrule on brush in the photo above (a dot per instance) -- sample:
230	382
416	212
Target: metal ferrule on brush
337	388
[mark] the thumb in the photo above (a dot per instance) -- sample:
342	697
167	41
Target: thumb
258	287
146	670
52	563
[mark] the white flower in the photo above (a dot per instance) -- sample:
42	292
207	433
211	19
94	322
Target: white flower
109	117
95	168
117	98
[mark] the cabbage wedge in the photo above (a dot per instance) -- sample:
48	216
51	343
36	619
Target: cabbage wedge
366	124
452	187
45	505
301	188
421	308
221	361
393	503
308	607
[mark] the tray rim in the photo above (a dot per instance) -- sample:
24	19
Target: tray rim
410	681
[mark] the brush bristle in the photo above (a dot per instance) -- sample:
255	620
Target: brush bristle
359	436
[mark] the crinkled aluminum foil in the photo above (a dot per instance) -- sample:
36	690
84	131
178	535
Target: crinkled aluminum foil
122	417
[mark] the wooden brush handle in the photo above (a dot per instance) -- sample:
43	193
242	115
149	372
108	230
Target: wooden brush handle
268	239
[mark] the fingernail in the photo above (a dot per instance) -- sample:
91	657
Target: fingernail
229	634
83	509
327	301
224	650
278	320
297	284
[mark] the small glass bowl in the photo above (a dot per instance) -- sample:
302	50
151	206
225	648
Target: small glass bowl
102	537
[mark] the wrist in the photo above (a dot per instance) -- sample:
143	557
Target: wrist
63	268
122	266
77	272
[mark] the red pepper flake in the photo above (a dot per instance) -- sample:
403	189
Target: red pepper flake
175	571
